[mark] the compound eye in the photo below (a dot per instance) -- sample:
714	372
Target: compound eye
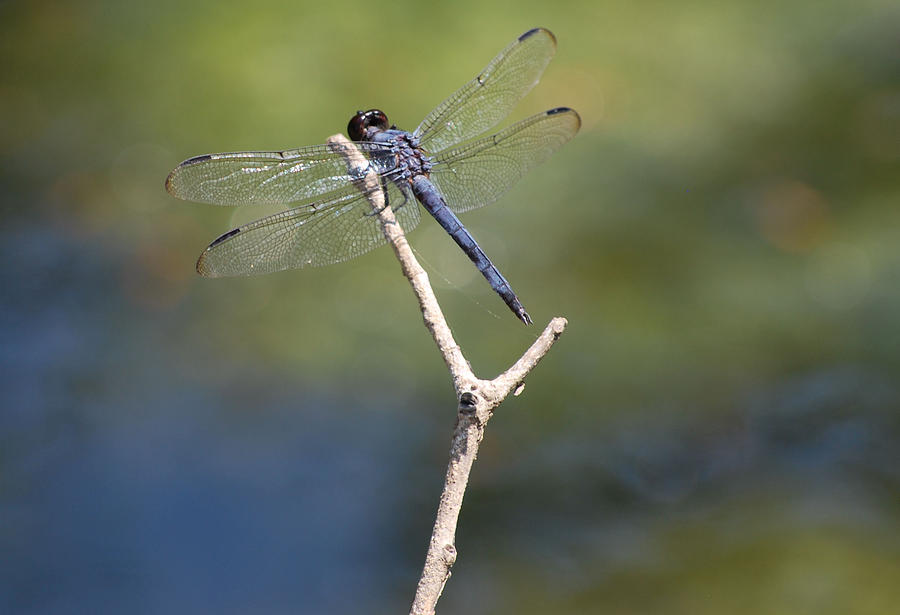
377	119
356	129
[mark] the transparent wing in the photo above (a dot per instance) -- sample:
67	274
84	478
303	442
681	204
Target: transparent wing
300	176
477	173
306	236
487	99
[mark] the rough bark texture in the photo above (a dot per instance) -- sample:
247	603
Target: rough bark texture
476	398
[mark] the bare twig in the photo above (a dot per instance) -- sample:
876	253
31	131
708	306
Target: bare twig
476	398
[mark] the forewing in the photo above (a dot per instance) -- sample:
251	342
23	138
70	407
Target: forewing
306	236
487	99
297	177
477	173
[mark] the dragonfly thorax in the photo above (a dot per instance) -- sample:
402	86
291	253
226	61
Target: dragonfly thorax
410	157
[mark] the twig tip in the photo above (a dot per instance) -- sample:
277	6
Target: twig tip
558	325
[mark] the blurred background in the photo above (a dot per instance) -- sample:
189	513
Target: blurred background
716	432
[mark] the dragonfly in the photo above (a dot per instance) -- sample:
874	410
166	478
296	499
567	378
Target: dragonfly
445	165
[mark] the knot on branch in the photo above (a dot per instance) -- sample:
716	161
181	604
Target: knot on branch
468	403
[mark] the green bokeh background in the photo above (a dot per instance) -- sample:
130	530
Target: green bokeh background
716	432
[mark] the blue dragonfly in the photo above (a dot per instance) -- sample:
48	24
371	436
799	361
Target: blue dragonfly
443	165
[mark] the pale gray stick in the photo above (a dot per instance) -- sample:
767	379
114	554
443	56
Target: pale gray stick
476	398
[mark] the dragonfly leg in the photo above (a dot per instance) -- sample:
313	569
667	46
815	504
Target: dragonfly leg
387	199
405	200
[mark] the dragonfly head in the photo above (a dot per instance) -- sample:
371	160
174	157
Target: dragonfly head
360	124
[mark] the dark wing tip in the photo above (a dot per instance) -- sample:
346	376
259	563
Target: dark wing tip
224	237
534	31
170	180
203	267
559	110
195	160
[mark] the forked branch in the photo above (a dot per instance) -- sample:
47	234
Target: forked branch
476	398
